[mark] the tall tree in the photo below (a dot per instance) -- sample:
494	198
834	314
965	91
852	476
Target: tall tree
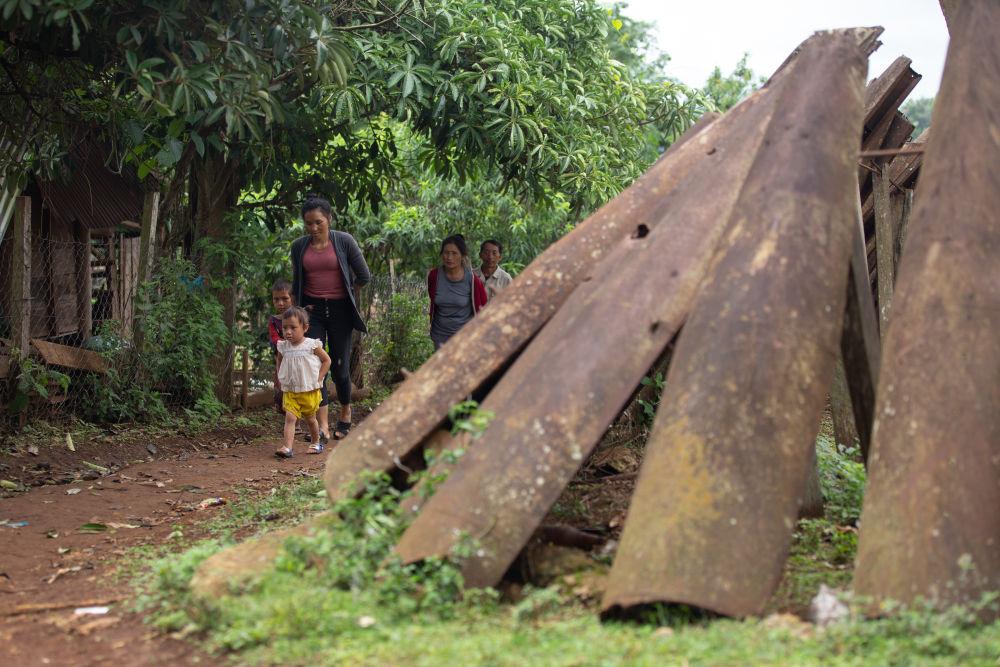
217	96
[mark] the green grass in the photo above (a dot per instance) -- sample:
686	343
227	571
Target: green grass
339	598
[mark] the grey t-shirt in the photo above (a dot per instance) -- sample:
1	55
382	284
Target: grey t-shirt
452	306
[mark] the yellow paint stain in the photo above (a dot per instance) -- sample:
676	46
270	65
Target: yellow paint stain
693	495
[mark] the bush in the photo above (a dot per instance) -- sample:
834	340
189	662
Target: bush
842	479
400	337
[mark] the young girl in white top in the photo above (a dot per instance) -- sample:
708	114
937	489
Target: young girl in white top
302	365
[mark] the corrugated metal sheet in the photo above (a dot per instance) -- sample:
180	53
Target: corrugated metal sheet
93	195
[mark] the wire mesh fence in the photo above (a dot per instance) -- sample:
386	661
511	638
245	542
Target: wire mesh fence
104	348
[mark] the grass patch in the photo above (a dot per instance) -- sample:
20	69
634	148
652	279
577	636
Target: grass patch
340	598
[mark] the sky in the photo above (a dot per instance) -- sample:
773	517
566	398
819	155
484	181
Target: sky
702	34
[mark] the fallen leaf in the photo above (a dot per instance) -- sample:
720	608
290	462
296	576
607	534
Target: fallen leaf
93	528
69	443
121	525
33	450
63	550
9	485
72	492
211	502
60	572
52	534
151	448
96	468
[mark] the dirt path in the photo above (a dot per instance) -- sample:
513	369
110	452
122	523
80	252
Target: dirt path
49	561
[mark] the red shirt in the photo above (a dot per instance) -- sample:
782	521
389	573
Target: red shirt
323	279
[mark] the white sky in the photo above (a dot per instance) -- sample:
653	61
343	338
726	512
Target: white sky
701	34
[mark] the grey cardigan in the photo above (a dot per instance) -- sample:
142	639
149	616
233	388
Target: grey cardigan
349	255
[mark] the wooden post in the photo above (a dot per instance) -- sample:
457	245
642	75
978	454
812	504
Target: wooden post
20	284
905	205
85	282
841	411
245	388
147	236
147	250
884	245
860	344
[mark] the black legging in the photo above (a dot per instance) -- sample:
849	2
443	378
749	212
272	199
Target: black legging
331	321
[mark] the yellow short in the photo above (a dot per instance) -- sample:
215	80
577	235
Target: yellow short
301	403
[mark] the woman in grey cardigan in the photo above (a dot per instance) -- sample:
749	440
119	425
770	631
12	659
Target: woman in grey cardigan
327	270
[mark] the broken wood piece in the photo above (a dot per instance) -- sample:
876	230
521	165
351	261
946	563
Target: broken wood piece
726	465
885	247
507	480
42	607
859	343
70	357
929	527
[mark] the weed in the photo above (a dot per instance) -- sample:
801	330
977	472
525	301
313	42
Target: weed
842	479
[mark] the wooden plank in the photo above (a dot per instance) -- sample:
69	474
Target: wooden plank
70	357
929	528
885	247
727	462
20	284
841	412
859	343
85	285
147	236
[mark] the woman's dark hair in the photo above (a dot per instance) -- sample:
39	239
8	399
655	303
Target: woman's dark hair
314	202
298	313
458	241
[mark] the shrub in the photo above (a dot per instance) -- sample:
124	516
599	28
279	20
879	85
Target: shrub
399	337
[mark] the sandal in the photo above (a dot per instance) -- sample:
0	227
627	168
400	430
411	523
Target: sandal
321	445
315	449
343	428
284	453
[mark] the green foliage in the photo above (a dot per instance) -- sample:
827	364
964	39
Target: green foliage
649	406
320	585
399	336
919	112
842	479
32	379
182	329
468	417
725	92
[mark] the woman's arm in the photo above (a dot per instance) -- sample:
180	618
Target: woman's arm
324	362
362	275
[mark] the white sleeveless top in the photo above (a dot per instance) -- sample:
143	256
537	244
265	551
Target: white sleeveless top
299	365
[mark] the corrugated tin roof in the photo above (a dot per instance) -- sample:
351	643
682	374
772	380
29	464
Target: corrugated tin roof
93	195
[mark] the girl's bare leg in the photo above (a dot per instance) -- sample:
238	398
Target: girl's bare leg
323	416
313	427
289	432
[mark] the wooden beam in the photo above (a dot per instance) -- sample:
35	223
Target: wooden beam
859	341
85	280
70	357
147	236
885	247
20	283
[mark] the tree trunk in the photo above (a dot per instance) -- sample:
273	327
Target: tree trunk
215	192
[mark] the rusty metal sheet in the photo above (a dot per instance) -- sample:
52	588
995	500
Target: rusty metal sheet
499	332
726	465
559	397
931	523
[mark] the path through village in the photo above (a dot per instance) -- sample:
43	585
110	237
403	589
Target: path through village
50	566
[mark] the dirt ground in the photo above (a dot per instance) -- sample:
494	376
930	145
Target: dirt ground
49	567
